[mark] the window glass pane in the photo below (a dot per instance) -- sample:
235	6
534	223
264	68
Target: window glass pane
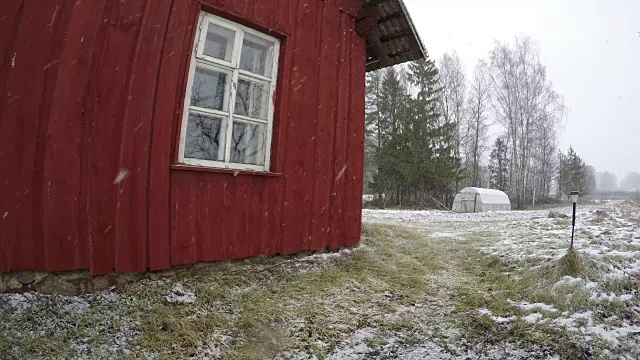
248	143
252	99
257	55
205	137
209	89
219	42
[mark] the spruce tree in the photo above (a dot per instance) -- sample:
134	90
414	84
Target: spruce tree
575	174
436	165
391	97
499	166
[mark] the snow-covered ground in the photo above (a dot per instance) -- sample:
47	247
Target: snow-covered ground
607	238
423	217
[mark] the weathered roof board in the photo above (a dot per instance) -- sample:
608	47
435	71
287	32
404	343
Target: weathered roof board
397	34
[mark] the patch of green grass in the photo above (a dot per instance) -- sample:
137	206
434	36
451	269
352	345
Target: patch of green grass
321	305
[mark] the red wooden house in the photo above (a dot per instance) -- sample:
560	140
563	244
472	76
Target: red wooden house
140	134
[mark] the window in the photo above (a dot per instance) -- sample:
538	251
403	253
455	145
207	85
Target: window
228	114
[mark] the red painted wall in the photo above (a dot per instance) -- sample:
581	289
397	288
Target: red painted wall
91	87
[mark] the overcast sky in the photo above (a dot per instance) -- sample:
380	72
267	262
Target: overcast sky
591	49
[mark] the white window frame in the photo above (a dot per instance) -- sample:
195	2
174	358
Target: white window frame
233	66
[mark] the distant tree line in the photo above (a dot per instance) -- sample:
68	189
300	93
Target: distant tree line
609	182
428	131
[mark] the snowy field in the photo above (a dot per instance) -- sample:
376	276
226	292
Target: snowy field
422	285
602	308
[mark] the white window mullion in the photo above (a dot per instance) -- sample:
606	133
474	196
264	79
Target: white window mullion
235	60
237	48
270	101
202	35
232	105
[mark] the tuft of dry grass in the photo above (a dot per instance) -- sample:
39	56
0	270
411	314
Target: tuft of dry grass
573	264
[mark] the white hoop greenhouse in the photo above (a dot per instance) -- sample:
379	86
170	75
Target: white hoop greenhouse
470	200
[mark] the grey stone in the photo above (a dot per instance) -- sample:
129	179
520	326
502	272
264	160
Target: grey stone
13	284
74	275
26	277
556	214
53	284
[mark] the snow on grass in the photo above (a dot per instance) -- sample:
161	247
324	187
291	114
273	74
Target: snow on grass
569	281
33	325
443	234
525	306
532	318
584	323
437	216
497	319
598	306
180	295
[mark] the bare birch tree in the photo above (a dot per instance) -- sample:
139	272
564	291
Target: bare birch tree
478	107
454	92
524	99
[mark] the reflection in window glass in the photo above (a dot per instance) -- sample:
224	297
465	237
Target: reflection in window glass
205	137
209	89
251	99
247	144
219	42
256	55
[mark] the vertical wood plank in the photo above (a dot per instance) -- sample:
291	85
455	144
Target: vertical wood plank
255	215
271	237
228	224
300	129
10	19
166	112
185	202
201	215
242	8
105	128
214	216
287	15
65	246
132	205
355	170
341	136
58	26
20	132
267	241
204	233
325	125
240	244
351	7
266	12
89	106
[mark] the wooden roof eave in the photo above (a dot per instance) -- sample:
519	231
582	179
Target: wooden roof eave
389	34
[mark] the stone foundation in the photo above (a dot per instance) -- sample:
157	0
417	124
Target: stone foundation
64	283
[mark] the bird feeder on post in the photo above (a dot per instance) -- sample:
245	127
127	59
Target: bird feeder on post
574	199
